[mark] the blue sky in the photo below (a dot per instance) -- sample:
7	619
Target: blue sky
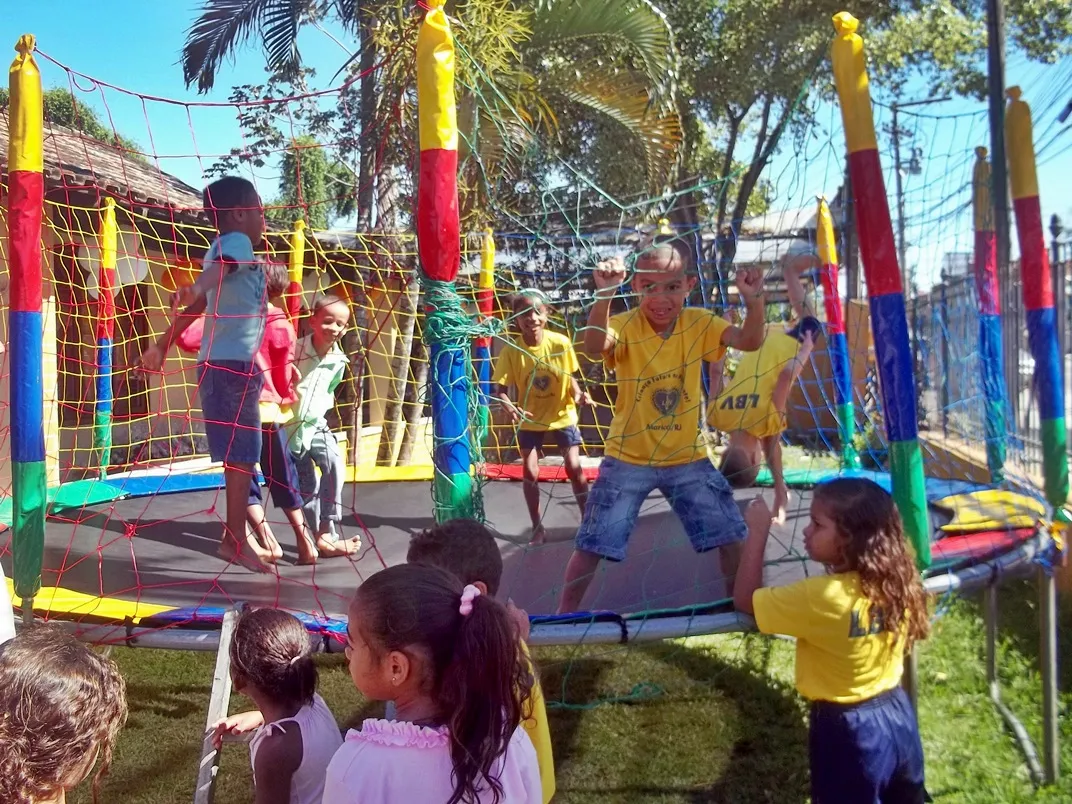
136	45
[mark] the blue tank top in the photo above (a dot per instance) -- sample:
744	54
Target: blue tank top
236	306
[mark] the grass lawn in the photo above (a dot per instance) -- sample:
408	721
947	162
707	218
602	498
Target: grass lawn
712	719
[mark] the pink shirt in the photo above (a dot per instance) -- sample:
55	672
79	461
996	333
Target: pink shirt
393	761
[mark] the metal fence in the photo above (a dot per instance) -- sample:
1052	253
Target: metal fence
945	325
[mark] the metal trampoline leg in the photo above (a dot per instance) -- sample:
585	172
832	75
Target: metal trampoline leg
209	764
1048	661
990	606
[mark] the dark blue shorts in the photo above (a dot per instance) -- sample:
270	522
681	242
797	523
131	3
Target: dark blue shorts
697	493
280	473
866	753
230	393
565	437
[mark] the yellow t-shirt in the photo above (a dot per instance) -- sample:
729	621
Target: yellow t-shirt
540	734
657	410
843	654
274	413
541	375
746	402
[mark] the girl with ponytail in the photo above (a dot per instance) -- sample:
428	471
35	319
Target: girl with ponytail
449	659
294	733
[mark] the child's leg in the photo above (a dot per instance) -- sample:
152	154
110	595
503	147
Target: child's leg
282	477
772	448
326	455
530	486
703	501
613	507
255	515
236	545
570	442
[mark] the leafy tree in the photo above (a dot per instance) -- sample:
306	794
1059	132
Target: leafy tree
61	108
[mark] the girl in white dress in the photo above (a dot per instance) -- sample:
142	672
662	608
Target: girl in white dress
295	734
449	659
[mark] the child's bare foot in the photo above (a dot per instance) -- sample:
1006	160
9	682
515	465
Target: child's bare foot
539	536
781	504
251	555
337	549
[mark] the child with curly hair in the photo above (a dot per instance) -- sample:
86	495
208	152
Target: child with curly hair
61	709
852	627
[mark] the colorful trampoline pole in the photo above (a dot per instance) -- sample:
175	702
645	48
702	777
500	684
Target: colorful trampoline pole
837	346
440	254
986	287
485	302
885	293
295	270
25	207
1038	299
102	409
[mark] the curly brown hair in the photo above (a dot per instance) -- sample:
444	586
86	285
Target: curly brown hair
875	547
61	705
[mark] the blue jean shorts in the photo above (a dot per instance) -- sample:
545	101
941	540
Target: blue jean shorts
230	393
565	437
697	493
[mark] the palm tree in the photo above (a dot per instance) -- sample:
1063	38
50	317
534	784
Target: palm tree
518	62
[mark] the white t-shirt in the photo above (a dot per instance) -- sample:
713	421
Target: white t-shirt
389	762
7	615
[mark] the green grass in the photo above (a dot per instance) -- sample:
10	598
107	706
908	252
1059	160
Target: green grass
711	720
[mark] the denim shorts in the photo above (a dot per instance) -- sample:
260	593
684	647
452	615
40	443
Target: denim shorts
230	403
697	493
565	437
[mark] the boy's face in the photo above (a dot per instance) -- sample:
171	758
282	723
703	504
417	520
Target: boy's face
247	219
662	285
531	317
330	322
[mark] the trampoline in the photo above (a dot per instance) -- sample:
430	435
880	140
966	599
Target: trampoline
141	551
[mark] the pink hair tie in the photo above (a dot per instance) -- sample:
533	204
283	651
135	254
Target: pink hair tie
469	594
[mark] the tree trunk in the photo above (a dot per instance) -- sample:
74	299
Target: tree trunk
369	105
413	404
406	312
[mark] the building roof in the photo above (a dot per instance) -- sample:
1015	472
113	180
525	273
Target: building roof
76	162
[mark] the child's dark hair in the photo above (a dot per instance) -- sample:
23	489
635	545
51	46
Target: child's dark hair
59	704
477	675
271	650
867	519
277	279
738	468
679	243
530	297
323	300
464	547
226	194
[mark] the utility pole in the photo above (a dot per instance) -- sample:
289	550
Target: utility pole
908	278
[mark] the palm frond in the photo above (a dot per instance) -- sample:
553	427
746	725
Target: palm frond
226	25
638	25
624	97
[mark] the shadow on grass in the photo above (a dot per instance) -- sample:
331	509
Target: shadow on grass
701	730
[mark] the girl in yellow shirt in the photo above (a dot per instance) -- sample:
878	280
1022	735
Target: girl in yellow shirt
852	629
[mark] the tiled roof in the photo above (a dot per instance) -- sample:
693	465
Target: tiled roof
77	162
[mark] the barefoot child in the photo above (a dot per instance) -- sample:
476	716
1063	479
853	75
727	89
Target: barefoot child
61	708
275	361
751	407
231	292
295	734
852	629
468	549
321	365
449	658
657	352
541	365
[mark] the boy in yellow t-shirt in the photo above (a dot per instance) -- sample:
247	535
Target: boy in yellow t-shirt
468	549
657	351
852	630
751	406
541	365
